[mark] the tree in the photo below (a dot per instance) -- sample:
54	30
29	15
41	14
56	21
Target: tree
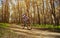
53	12
27	6
38	12
5	11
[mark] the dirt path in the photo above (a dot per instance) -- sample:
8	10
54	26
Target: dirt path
34	33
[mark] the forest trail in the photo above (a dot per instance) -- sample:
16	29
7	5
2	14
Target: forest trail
34	33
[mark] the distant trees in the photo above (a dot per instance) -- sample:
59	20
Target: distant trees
5	11
53	13
39	11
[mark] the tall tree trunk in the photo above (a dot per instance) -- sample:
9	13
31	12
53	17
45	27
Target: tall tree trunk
19	12
53	12
27	6
44	19
38	14
2	10
34	19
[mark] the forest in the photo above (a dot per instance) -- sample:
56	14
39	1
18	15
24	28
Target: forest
39	11
44	18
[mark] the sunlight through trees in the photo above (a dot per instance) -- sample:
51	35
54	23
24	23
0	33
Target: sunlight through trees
39	11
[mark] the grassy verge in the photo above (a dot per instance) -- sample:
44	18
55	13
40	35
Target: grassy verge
3	29
46	26
4	25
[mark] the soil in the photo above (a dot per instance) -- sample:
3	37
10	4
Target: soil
16	31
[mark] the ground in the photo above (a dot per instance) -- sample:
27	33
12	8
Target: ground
17	32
